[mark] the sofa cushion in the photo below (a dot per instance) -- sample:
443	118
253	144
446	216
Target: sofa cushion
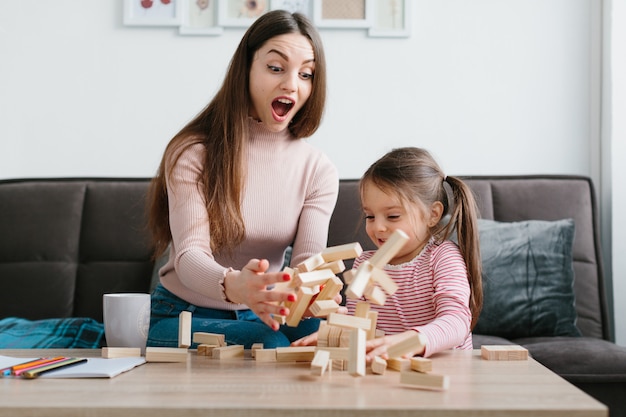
527	279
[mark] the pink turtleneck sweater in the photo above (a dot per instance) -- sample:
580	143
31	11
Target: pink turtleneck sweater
290	193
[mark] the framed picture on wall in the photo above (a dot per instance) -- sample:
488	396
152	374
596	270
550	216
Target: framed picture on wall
392	19
301	6
240	13
199	17
151	13
344	13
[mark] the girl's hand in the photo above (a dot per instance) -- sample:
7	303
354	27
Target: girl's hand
378	347
249	287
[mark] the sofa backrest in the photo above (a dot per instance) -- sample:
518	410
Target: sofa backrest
517	198
65	242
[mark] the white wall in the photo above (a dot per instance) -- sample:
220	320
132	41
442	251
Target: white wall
490	86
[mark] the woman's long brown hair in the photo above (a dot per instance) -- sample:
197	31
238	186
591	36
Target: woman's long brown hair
222	128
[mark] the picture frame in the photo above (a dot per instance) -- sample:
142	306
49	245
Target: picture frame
240	13
347	14
304	7
151	13
199	17
393	19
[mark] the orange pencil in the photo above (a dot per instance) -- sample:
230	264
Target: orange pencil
34	373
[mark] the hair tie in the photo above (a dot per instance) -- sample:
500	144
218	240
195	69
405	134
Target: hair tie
445	178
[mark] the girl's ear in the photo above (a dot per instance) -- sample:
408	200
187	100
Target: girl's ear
436	211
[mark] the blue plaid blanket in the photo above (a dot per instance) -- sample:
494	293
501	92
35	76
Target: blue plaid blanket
79	333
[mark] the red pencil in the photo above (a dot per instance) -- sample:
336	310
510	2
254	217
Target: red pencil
35	364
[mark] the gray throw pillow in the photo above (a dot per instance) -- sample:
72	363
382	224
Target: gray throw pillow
528	279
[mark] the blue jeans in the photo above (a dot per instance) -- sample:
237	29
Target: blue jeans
240	327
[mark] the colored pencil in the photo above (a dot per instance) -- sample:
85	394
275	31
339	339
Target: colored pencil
37	364
34	373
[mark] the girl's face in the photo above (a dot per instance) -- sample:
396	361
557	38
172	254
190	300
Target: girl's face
281	79
384	213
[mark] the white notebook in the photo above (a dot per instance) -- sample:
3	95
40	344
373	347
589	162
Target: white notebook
93	368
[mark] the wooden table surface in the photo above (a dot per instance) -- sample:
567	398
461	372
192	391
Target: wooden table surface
242	387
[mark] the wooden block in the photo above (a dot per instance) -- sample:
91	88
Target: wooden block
331	288
336	267
295	354
347	251
374	294
217	339
165	354
265	355
378	366
297	309
322	308
206	350
361	309
310	279
503	353
384	280
360	281
412	343
389	249
184	329
311	263
120	352
254	348
337	353
425	381
344	320
356	363
320	362
227	352
420	364
373	316
348	276
399	364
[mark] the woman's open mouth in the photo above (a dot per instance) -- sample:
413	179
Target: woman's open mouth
281	107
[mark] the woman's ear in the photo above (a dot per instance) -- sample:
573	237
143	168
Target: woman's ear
436	211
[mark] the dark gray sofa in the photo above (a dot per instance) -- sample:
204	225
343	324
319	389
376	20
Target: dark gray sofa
64	242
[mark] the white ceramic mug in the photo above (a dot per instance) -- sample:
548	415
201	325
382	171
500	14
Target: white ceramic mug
126	319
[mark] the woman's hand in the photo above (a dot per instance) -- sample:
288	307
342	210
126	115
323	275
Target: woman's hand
378	347
310	340
250	287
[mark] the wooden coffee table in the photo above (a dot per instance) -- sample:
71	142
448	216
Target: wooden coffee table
242	387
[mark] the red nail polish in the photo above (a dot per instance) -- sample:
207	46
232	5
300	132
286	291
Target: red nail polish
282	312
291	297
286	277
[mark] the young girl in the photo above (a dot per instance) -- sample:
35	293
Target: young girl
439	283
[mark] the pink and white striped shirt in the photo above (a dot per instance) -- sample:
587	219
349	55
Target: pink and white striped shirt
432	298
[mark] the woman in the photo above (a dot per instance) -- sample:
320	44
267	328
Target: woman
238	185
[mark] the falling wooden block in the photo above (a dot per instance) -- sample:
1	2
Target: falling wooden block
352	322
311	263
348	276
184	329
347	251
503	353
378	365
295	354
385	281
336	267
425	381
120	352
310	279
209	338
389	249
359	281
320	362
331	288
227	352
165	354
373	316
322	308
361	309
399	364
420	364
374	294
265	355
414	342
298	308
356	362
